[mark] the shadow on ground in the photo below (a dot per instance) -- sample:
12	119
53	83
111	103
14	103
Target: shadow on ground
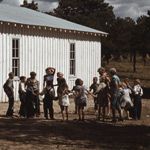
73	134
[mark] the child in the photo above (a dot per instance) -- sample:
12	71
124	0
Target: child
49	75
64	99
75	99
22	94
35	97
9	90
60	80
138	92
29	101
131	109
102	99
49	93
94	87
103	74
81	98
125	99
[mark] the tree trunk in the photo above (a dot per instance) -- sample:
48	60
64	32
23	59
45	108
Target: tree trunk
131	56
134	62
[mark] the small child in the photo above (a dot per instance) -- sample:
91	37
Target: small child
75	99
131	109
102	98
125	99
138	92
81	97
50	72
9	90
60	80
22	95
93	87
64	99
29	101
49	93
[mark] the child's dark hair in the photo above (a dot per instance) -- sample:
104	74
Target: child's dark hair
47	69
22	77
78	82
95	78
63	86
11	73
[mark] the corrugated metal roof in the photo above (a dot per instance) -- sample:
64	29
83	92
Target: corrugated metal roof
27	16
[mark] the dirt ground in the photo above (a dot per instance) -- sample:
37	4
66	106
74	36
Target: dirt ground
41	134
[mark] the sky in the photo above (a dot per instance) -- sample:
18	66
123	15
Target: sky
122	8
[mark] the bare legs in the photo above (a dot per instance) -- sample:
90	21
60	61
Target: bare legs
81	112
64	109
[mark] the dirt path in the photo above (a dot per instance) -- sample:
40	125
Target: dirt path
41	134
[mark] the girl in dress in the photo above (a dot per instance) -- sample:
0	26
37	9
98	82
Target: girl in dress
64	99
81	98
125	99
50	72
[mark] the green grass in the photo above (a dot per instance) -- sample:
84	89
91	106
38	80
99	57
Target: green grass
125	70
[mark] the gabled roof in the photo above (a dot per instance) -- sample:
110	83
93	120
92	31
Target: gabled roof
26	16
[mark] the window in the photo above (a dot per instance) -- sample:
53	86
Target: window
72	59
15	56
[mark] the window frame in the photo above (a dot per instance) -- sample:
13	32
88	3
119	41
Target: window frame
72	59
16	57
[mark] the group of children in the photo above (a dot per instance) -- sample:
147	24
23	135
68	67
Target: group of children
101	93
111	93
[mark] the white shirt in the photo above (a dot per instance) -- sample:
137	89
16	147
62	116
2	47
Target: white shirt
138	90
22	87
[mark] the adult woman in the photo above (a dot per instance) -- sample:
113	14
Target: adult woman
115	94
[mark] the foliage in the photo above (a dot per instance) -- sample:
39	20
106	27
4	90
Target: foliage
126	36
31	5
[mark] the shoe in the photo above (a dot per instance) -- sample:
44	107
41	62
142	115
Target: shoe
56	98
129	118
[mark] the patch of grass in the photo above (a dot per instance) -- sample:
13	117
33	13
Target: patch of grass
125	70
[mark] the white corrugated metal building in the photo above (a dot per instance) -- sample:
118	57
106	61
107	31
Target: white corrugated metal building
33	41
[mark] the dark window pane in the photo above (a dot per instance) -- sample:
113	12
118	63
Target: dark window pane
17	42
16	71
13	44
13	53
17	54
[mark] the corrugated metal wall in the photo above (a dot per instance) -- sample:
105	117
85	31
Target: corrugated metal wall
44	47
